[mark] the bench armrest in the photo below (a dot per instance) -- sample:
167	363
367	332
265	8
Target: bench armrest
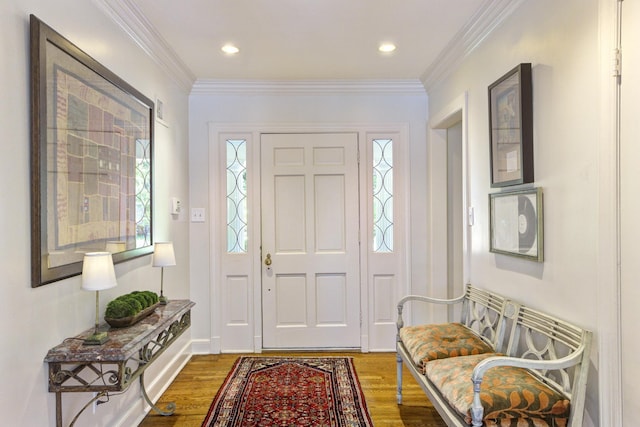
477	410
549	365
422	298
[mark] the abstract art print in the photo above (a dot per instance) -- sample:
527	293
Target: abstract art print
92	140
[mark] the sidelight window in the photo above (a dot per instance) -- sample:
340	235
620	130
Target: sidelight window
382	195
236	196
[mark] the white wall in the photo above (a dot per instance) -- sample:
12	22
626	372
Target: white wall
630	173
291	109
34	320
561	40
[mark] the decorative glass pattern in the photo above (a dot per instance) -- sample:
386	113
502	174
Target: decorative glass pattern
382	195
236	196
143	192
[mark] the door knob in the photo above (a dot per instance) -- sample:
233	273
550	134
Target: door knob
267	260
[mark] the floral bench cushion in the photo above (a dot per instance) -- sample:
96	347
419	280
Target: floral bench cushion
510	396
440	341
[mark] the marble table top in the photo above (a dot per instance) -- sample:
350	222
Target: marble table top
123	343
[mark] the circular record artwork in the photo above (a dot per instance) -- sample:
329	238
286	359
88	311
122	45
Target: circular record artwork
526	224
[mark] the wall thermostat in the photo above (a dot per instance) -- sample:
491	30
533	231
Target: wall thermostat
175	206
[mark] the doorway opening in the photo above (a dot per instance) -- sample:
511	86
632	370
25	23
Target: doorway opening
451	215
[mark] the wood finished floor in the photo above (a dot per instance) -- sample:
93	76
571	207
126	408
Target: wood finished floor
195	386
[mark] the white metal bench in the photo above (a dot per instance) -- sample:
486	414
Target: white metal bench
551	354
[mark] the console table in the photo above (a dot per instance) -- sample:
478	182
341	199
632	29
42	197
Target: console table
114	365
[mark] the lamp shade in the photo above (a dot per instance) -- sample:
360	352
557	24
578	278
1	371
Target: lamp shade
98	272
163	255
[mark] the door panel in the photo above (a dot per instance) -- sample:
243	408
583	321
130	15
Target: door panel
310	229
290	214
329	213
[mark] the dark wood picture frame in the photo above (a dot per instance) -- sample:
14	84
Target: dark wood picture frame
91	160
516	225
511	128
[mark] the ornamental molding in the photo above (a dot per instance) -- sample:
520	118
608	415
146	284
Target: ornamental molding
488	17
132	20
307	87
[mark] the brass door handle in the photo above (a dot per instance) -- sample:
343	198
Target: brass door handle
267	260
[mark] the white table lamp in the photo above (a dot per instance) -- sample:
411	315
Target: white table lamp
98	274
163	256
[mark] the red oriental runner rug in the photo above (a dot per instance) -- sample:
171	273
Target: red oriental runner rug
288	392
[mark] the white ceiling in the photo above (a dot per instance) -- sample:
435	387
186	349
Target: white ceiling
305	39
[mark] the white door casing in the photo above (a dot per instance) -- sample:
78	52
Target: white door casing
235	278
450	243
310	233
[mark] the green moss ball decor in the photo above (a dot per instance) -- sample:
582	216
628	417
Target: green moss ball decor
144	298
127	309
130	299
117	309
141	299
154	297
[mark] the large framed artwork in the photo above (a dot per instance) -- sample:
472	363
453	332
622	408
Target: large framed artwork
91	160
516	224
511	128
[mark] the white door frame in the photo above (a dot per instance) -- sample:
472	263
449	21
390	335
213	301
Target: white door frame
244	334
453	113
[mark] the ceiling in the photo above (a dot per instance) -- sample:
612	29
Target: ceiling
306	39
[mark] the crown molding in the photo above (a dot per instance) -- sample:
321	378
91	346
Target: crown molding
307	87
488	17
131	19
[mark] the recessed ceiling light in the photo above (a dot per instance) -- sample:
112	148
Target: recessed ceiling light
387	47
230	49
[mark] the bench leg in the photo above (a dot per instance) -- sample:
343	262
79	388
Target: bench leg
477	410
399	379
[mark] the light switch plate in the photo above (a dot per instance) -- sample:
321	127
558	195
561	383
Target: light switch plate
197	214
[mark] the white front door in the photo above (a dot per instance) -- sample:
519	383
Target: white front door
310	229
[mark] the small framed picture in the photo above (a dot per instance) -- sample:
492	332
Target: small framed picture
511	128
516	224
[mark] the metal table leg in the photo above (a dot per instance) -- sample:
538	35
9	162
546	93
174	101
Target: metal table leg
170	408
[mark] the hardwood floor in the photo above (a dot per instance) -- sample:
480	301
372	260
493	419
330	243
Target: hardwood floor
196	385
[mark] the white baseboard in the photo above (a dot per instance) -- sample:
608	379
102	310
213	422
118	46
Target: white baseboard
201	346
